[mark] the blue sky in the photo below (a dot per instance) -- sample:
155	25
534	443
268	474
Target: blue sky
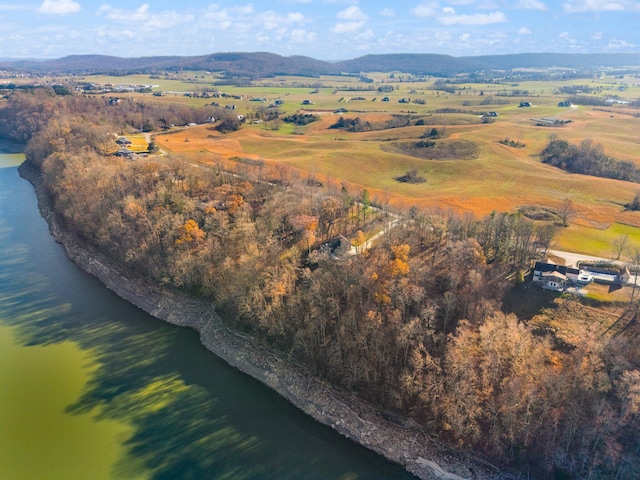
323	29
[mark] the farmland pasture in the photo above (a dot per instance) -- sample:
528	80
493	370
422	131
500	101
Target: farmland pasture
498	177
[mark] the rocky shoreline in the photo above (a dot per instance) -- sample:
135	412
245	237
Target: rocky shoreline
396	440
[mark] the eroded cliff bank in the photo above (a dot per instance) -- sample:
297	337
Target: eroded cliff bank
398	441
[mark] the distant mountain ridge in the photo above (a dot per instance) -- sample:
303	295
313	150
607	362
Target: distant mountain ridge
263	64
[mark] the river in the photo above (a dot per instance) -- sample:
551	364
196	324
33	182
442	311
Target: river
93	387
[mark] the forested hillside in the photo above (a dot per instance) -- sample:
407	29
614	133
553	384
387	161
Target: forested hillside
261	64
413	324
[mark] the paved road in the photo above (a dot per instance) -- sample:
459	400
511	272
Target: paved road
571	259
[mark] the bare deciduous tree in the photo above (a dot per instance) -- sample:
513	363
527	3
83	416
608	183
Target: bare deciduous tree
566	211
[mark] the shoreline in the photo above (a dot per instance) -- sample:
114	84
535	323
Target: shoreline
402	442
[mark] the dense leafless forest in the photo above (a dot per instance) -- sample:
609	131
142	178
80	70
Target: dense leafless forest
414	324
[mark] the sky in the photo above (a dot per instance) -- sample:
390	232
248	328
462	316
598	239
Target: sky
322	29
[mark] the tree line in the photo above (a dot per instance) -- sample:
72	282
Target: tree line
588	158
414	324
22	115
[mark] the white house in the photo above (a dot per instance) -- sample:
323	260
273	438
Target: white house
554	281
557	277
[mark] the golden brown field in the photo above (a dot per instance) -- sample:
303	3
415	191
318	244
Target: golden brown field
498	178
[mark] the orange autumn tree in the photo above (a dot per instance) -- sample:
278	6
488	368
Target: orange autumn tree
190	234
305	226
396	269
399	265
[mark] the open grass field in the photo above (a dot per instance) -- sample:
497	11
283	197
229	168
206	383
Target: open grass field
495	177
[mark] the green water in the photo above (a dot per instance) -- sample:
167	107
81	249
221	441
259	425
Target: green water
38	436
91	387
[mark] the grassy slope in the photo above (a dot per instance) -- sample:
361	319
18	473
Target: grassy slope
500	178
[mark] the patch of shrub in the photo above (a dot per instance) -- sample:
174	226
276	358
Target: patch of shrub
248	161
434	133
534	212
398	121
512	143
313	182
411	177
429	150
228	124
634	205
492	100
458	110
352	124
587	100
301	119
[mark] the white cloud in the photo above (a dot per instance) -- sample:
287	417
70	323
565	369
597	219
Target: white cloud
352	13
366	35
578	6
465	37
475	19
619	44
566	38
448	11
146	19
531	5
128	34
214	11
272	20
302	36
59	7
243	10
430	9
220	18
347	27
267	19
507	4
388	12
241	28
168	20
354	18
140	14
524	31
443	37
497	34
